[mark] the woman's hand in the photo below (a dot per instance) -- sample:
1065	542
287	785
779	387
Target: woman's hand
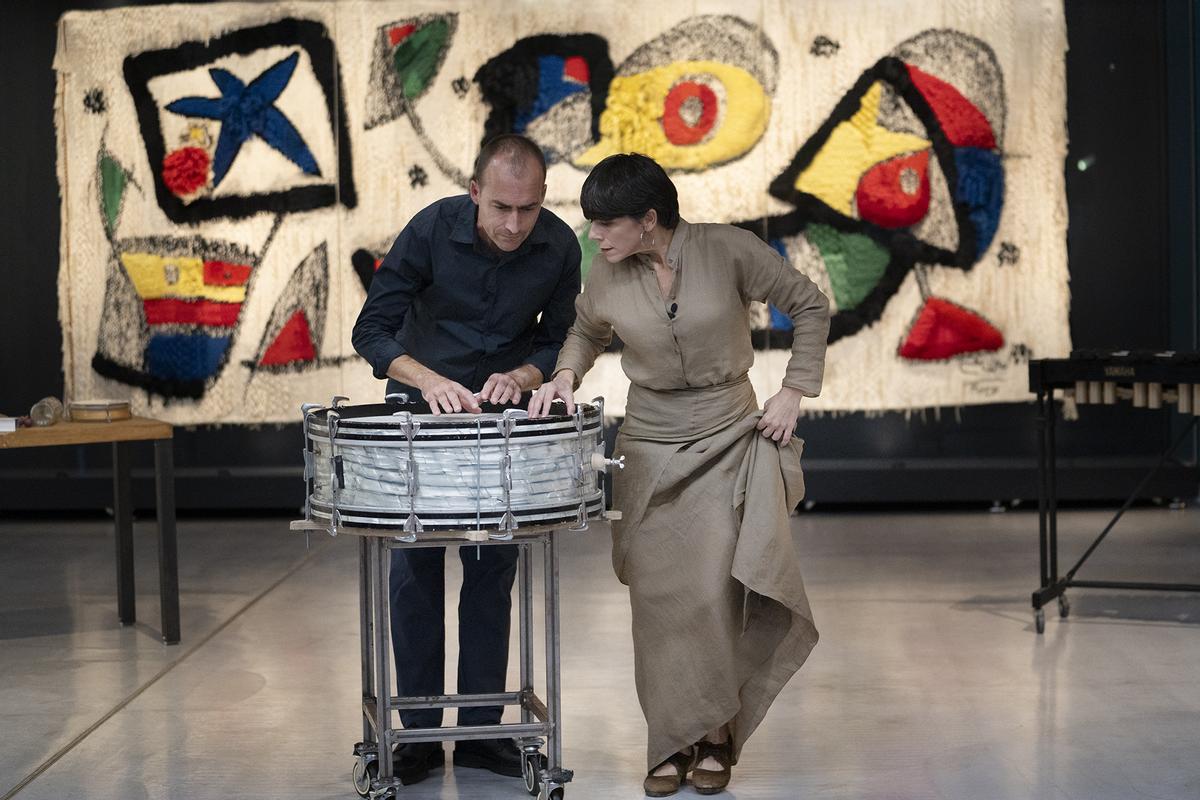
780	413
561	387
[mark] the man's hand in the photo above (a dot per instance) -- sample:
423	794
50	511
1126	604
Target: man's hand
507	387
562	387
445	395
780	413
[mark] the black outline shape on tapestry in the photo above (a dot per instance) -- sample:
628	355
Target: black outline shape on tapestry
907	252
385	100
306	291
1008	254
824	47
509	81
313	37
417	176
94	101
383	76
363	262
123	325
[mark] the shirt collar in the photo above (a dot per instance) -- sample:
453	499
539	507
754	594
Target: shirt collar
675	249
464	226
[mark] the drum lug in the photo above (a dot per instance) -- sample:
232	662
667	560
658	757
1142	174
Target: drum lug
581	521
400	398
306	411
412	526
508	524
338	401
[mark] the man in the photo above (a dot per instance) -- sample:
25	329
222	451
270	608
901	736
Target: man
476	295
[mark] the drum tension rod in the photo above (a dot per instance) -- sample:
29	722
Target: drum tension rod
581	520
508	522
412	525
337	477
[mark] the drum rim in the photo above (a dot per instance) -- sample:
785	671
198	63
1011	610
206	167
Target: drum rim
348	515
320	417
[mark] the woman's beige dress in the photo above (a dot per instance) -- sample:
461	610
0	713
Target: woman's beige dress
720	617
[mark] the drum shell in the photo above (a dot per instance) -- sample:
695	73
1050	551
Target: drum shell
460	468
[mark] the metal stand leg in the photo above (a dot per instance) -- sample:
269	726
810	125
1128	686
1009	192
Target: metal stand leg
168	559
525	623
1052	483
555	777
366	752
383	703
366	632
123	525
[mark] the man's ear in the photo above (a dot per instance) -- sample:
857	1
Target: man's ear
474	191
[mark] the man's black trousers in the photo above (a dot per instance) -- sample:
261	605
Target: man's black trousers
418	596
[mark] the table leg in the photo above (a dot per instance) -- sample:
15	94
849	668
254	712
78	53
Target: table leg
168	561
123	527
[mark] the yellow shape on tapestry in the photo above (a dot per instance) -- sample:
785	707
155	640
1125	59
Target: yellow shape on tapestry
156	276
632	118
853	147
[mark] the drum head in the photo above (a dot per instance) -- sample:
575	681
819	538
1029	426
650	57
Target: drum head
385	414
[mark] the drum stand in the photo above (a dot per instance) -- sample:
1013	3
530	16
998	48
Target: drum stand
541	720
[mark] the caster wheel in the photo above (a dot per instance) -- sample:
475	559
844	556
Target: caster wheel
1064	606
365	770
551	794
1039	620
531	770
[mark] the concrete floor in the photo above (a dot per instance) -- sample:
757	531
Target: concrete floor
928	682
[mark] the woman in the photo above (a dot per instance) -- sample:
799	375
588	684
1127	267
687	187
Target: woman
720	618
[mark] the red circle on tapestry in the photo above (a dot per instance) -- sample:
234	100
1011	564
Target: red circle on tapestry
678	129
185	170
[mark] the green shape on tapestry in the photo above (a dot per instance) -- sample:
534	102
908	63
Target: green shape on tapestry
113	179
588	249
855	263
418	56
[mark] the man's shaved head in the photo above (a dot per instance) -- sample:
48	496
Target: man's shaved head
514	152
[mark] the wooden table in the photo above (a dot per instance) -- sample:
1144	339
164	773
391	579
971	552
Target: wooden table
119	435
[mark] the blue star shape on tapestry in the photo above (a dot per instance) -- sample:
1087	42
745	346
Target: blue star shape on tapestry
246	110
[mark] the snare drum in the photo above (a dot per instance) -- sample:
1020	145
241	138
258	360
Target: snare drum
399	466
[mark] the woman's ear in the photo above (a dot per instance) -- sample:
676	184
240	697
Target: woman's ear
650	219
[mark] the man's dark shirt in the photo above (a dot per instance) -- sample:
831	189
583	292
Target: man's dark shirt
465	312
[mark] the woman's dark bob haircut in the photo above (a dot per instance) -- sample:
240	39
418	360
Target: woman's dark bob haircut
629	185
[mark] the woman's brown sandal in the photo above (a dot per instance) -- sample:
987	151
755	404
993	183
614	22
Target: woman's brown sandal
666	785
712	781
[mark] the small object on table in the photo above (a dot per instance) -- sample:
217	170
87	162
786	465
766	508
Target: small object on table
10	424
47	411
99	410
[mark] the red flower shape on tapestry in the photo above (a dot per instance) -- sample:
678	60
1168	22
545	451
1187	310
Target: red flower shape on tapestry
185	170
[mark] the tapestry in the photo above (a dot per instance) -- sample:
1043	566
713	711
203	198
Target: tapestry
232	175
